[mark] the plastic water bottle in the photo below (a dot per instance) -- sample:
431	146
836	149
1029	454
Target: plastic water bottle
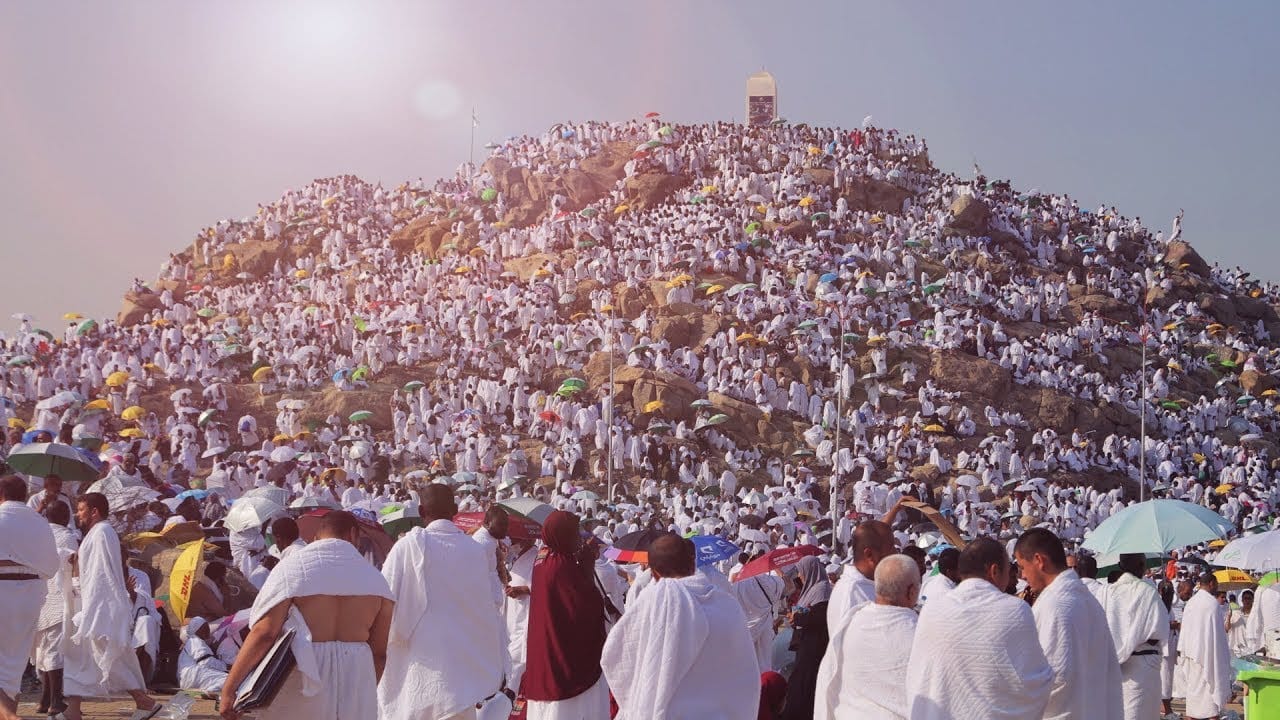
178	708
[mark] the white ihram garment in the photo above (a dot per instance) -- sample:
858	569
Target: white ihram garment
332	680
1073	633
975	656
27	540
1205	656
680	652
760	597
862	674
100	661
1139	626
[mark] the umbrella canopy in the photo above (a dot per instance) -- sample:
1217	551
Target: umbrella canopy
527	507
45	459
117	379
133	413
360	416
251	512
401	520
314	502
776	560
1252	552
518	528
372	541
283	453
1230	580
710	549
1156	526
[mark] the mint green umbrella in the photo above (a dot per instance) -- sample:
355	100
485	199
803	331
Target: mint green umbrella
1156	526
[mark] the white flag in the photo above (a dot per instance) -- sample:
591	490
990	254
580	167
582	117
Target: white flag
475	122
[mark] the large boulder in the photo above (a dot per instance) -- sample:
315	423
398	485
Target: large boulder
970	214
258	257
1105	306
673	391
672	328
136	306
955	371
1220	308
651	189
1256	383
1180	253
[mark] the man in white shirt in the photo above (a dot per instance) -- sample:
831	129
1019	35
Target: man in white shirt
945	580
1264	619
1072	628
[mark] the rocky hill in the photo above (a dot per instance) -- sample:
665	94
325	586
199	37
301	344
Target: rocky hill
640	221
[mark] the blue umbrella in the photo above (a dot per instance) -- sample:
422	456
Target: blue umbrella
339	376
937	549
711	549
1156	526
198	494
828	278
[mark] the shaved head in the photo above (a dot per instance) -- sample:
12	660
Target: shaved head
872	541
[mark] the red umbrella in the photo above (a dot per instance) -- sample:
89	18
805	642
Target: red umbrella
549	416
375	543
776	560
518	528
652	114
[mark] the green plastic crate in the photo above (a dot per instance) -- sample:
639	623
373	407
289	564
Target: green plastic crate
1262	702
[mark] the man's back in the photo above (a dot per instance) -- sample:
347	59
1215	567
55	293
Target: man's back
1073	634
976	655
683	651
446	652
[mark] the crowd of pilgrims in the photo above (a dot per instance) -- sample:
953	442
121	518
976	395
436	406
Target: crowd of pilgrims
492	345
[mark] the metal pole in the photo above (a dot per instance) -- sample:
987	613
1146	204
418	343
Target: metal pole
1142	426
835	463
609	415
471	157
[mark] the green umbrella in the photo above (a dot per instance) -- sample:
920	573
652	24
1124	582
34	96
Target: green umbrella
808	325
718	419
414	386
19	361
819	216
933	288
659	427
1269	579
576	382
696	200
1156	526
1170	405
488	195
740	288
665	130
588	212
206	312
751	227
360	416
584	244
851	337
360	373
912	243
205	417
49	336
399	520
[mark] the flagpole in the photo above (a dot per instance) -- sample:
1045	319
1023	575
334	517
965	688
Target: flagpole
471	157
1142	423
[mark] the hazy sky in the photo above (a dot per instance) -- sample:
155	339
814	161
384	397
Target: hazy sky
125	127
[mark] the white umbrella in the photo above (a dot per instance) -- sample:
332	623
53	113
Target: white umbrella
21	317
127	498
970	481
1252	552
358	450
779	521
752	535
584	495
313	502
179	395
66	397
213	452
284	453
251	512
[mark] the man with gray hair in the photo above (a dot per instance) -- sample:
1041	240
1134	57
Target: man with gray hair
872	643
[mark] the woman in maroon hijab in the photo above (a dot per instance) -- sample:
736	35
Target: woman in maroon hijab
563	680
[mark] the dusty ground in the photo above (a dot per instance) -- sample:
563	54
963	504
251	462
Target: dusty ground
203	709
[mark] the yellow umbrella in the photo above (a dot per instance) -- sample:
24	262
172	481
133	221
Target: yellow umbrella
1173	365
1198	457
876	219
1270	392
17	424
98	404
183	577
304	435
328	201
679	280
621	209
160	322
865	273
262	373
542	272
281	438
1234	580
300	273
762	209
714	289
135	412
814	150
875	340
1214	328
934	429
462	270
72	316
708	189
1170	326
607	308
577	316
1218	543
806	201
228	261
476	252
1255	293
132	433
654	406
1224	488
746	337
117	379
